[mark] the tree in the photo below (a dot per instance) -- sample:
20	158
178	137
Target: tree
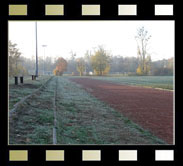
163	67
80	66
107	69
139	71
142	39
87	58
61	66
15	68
100	61
170	64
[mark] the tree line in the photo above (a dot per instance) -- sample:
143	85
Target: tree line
101	64
98	63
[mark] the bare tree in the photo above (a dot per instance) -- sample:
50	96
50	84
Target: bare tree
142	39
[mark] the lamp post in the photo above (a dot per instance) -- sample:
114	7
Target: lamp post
36	50
44	46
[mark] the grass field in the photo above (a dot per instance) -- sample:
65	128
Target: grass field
33	120
81	119
164	82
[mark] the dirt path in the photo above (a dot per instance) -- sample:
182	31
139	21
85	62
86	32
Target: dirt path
150	108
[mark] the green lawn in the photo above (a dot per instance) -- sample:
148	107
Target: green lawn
164	82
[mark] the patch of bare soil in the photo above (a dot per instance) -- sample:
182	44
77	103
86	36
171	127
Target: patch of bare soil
150	108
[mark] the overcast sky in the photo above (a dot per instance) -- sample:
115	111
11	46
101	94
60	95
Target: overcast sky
118	37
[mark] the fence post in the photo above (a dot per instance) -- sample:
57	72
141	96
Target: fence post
16	80
33	77
21	79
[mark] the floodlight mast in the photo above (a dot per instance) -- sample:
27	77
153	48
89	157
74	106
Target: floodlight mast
36	51
44	46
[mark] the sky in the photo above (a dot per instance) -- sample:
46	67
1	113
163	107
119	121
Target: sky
117	37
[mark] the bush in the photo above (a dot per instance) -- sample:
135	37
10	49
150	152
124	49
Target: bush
163	72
